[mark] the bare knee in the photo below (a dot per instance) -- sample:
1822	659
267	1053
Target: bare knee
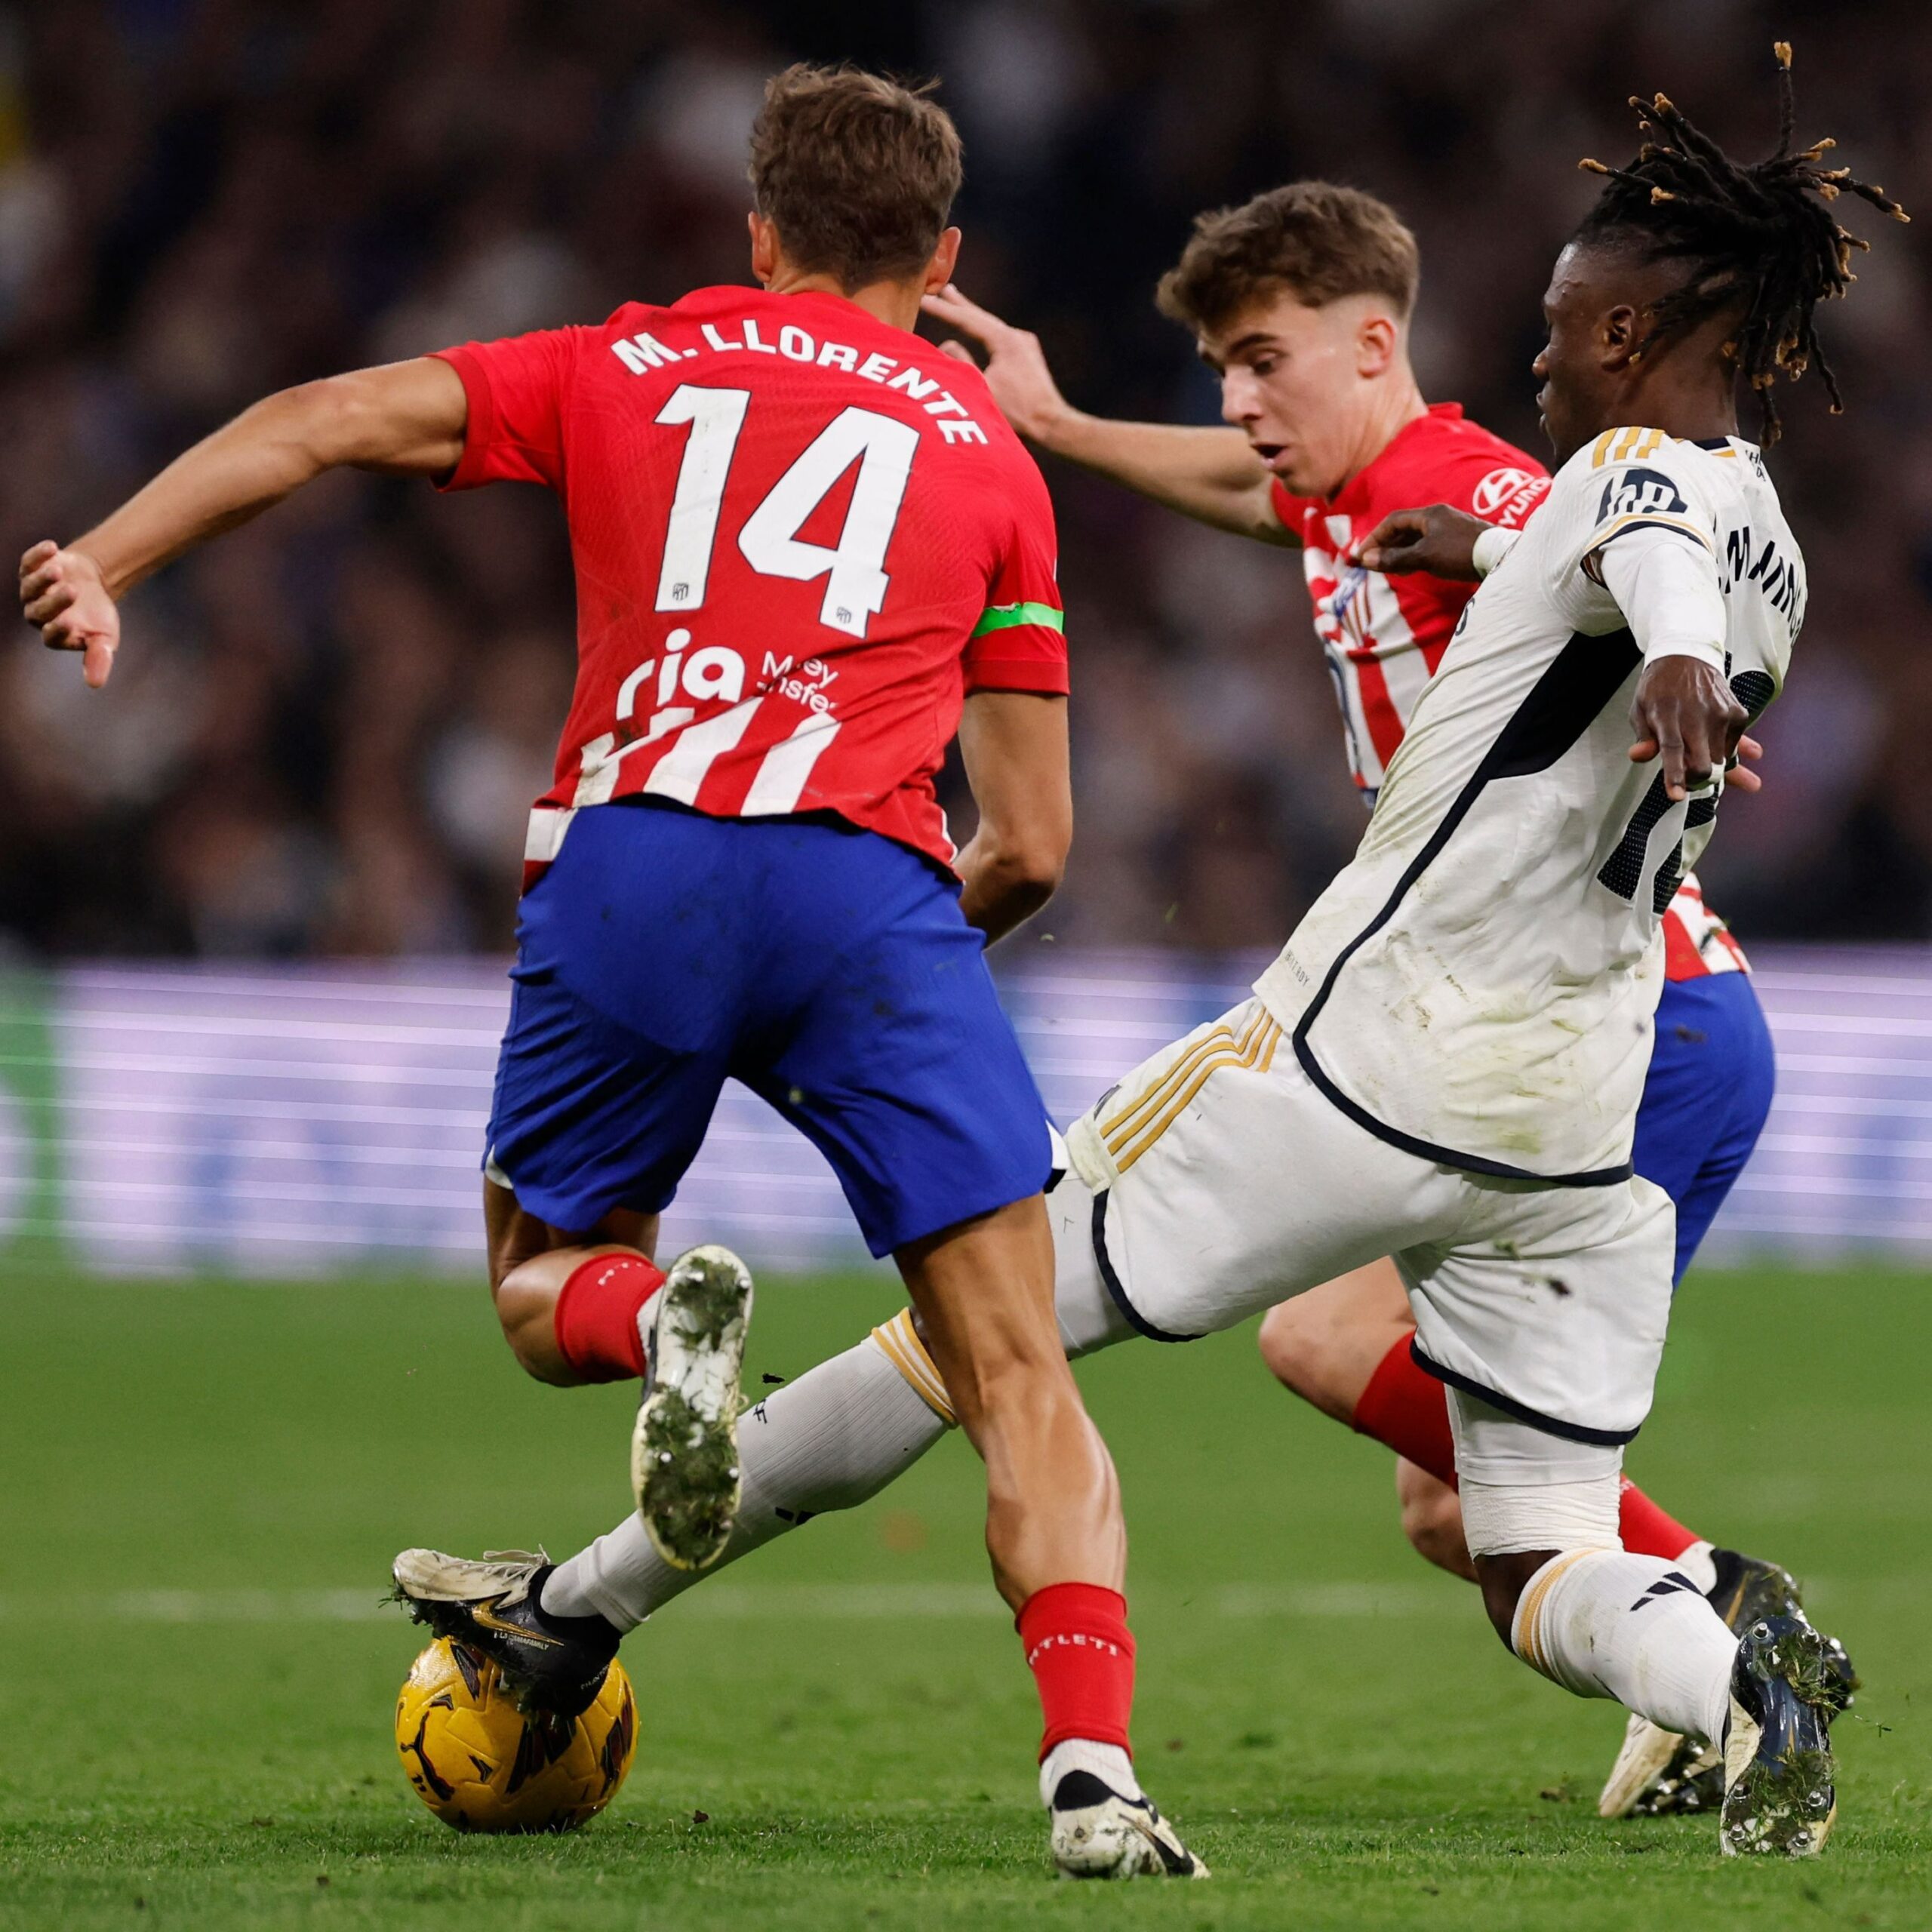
1432	1520
530	1262
1298	1343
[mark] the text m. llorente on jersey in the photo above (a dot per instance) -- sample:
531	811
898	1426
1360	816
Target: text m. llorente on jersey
642	352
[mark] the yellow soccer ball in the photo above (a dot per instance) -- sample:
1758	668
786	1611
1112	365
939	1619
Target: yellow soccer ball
481	1765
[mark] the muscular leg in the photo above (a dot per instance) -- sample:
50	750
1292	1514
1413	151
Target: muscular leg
984	1292
530	1262
834	1436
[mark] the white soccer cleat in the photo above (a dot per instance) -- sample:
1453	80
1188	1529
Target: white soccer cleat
1100	1831
494	1607
431	1576
684	1449
1657	1771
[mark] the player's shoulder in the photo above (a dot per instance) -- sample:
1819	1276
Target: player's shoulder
1445	457
1632	446
1634	468
1636	475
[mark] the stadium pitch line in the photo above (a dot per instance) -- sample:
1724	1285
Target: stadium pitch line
782	1603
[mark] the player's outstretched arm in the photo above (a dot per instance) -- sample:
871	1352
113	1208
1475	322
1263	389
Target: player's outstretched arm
1443	542
1015	746
1211	475
403	419
1684	712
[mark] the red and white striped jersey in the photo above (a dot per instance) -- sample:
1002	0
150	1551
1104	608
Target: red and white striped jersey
1385	635
1696	942
800	537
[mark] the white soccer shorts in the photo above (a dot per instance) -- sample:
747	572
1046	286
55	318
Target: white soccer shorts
1216	1180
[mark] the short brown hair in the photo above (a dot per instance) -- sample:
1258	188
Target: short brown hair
857	172
1311	239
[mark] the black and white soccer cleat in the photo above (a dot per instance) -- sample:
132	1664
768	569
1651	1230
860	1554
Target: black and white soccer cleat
1779	1796
1659	1774
495	1606
1751	1588
684	1449
1098	1833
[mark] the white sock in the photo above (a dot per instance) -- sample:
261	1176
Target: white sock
1108	1762
829	1441
1699	1564
1605	1623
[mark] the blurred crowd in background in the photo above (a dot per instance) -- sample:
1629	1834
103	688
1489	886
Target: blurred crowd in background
325	730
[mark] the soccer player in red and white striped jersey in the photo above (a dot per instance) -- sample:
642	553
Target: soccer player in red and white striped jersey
739	441
1385	635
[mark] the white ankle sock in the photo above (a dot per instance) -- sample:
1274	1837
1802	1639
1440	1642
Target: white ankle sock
1699	1564
1108	1762
829	1441
1605	1623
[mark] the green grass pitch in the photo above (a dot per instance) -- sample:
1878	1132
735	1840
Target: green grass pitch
204	1482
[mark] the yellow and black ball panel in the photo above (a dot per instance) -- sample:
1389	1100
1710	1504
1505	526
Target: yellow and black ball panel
481	1765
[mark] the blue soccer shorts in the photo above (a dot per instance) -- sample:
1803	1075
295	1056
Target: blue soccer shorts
1712	1071
828	969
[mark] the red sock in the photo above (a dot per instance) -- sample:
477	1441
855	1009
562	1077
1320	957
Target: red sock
1407	1409
1080	1653
1405	1406
1647	1530
596	1316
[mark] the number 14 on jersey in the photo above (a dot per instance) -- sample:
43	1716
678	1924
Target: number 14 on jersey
854	567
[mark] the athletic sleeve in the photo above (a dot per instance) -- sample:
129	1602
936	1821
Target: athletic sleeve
1668	593
1639	479
1492	547
1020	642
516	388
1628	482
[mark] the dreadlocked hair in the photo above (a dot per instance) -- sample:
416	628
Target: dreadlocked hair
1764	235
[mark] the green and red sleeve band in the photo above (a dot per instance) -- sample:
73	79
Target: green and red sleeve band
1034	658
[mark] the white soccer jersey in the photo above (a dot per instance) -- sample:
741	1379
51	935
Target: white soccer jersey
1477	987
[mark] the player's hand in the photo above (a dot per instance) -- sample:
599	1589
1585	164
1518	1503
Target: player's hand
1686	714
1016	367
1438	539
61	592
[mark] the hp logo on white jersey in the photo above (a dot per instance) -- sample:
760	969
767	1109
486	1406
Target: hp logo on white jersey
1640	493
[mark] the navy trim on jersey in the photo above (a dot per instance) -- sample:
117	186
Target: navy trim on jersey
1651	523
1595	570
1112	1281
1561	706
1570	1432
